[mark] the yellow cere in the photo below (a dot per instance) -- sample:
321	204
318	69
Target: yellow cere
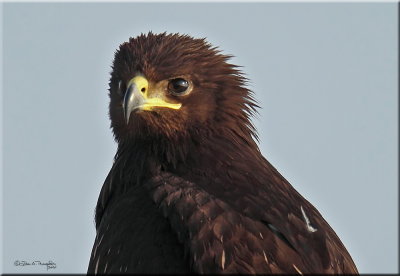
141	83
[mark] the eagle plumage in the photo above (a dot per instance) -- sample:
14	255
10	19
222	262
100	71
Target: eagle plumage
189	190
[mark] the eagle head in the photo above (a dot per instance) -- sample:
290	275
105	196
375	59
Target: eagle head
174	86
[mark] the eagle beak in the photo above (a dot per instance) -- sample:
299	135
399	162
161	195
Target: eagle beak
138	97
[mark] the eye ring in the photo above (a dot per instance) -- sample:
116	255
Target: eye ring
179	86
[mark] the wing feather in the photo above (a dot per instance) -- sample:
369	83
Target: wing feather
217	237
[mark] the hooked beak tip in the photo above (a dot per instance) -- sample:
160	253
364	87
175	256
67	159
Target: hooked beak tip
127	118
127	113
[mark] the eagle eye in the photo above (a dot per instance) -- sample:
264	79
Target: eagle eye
178	86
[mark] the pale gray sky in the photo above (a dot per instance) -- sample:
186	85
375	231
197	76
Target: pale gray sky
324	74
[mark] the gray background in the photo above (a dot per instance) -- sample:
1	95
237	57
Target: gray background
324	74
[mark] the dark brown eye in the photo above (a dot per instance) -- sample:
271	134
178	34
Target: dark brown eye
178	86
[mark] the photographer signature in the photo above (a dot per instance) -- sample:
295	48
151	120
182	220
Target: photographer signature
49	264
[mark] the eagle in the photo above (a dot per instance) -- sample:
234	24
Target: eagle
189	190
